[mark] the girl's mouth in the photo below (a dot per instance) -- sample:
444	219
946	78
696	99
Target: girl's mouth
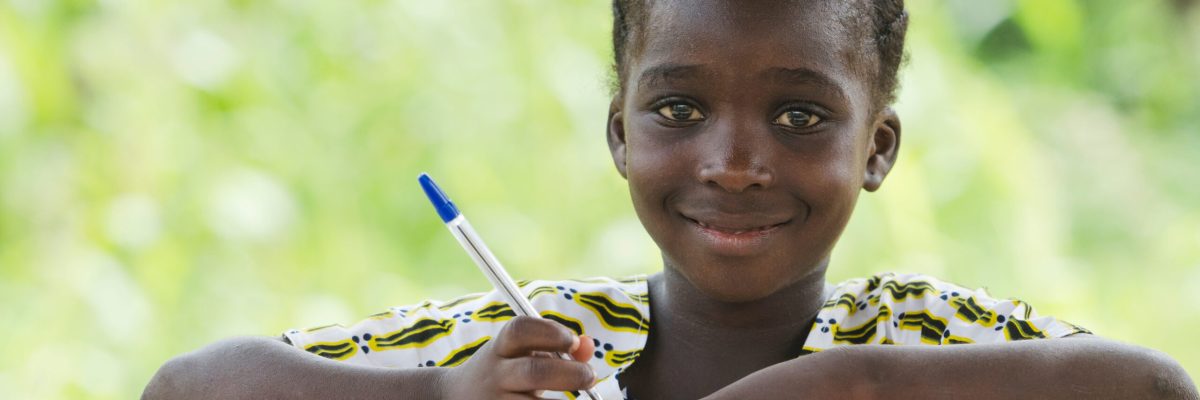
736	231
735	241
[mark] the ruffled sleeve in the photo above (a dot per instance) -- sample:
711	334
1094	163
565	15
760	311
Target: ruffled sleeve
615	313
913	309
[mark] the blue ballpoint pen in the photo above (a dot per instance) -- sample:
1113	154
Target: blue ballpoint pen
487	262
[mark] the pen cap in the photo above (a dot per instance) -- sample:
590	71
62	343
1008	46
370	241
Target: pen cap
445	208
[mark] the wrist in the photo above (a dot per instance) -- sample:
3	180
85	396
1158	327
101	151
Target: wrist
859	370
838	373
438	382
405	383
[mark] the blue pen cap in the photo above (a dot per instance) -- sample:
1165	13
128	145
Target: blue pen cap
445	208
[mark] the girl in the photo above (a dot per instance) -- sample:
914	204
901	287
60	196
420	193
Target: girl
746	131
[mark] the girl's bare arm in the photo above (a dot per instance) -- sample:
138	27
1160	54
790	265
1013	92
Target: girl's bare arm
1081	367
511	366
264	367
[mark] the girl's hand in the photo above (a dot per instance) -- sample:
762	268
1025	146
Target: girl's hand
518	363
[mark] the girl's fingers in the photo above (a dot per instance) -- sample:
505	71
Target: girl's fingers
583	353
517	396
528	374
524	335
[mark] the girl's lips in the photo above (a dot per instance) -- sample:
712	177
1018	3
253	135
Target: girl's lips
735	241
735	231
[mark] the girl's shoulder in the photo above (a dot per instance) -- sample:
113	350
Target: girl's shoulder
918	309
598	307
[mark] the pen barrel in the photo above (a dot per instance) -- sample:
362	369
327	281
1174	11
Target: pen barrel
495	272
490	266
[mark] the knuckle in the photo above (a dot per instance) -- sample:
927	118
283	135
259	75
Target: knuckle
521	326
536	369
538	329
511	337
515	396
522	335
585	376
549	374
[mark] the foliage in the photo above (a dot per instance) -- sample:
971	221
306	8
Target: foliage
172	173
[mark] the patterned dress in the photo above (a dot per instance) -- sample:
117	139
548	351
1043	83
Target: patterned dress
883	309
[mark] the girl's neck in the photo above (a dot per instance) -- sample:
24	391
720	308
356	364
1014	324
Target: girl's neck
698	345
677	302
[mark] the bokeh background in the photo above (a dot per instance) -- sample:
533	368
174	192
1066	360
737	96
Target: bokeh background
176	172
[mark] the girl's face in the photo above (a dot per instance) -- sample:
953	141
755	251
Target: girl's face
746	131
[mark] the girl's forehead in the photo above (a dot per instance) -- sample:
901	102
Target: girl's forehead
759	37
841	20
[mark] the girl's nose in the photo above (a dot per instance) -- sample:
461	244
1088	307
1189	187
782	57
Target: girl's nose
735	162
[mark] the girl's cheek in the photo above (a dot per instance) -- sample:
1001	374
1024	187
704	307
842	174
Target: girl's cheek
657	152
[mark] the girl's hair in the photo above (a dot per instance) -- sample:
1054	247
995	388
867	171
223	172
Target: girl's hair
888	23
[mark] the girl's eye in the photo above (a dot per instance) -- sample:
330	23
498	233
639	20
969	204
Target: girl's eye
797	119
680	112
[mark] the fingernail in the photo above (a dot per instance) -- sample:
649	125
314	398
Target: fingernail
574	343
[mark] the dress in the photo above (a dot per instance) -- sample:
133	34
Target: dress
900	309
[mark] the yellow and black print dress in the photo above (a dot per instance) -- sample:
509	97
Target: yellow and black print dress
882	309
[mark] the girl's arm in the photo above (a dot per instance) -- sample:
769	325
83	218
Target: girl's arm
1079	367
508	367
268	368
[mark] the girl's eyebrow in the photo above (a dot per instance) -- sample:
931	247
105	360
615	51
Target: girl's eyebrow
656	75
783	76
798	76
801	76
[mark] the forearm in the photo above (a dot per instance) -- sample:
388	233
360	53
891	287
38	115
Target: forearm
1076	368
257	368
1082	368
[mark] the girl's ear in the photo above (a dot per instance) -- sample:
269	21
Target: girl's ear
883	148
616	134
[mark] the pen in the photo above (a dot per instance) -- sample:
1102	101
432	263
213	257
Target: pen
487	262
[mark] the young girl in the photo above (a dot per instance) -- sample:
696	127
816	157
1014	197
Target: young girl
746	131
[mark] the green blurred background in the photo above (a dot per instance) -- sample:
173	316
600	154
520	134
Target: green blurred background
176	172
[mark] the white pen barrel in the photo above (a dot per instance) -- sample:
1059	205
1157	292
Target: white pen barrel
491	267
487	262
483	257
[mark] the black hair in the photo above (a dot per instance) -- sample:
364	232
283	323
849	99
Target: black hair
888	25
